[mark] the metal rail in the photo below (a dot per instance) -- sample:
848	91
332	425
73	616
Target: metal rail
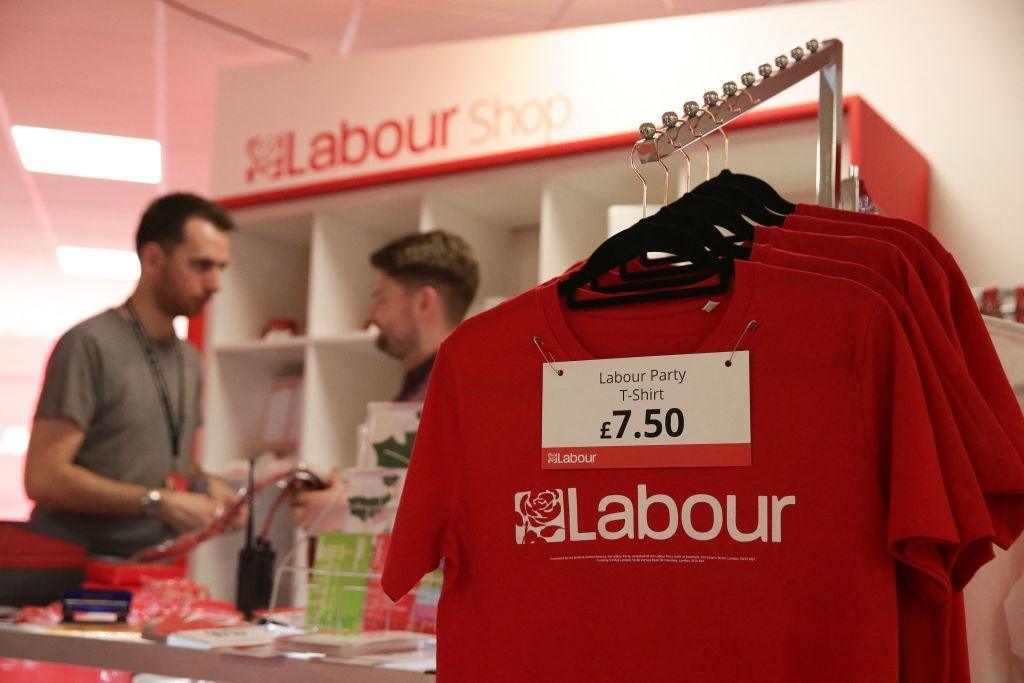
825	59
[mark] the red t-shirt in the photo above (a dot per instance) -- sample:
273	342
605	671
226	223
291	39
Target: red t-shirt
965	495
992	455
927	630
924	265
838	421
986	370
924	628
883	258
979	352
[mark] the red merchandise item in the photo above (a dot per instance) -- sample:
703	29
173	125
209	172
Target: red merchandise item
379	613
928	630
1001	423
964	493
992	455
924	264
991	452
979	352
990	302
840	433
885	259
924	628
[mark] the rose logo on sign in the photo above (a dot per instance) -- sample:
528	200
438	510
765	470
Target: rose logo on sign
268	155
540	517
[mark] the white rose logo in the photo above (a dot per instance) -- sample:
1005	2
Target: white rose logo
540	517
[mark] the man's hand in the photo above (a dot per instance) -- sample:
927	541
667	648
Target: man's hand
225	496
186	511
307	505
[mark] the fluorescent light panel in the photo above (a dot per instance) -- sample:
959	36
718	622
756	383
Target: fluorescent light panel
88	155
13	440
105	263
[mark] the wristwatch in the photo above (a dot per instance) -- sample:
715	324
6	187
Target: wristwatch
151	502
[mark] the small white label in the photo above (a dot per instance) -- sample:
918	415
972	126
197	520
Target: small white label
710	306
656	411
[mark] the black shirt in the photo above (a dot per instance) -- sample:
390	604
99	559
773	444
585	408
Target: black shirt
414	386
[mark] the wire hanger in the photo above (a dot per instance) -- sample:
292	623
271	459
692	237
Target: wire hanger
650	234
700	215
636	171
754	186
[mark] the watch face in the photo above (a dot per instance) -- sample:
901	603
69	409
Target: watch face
151	501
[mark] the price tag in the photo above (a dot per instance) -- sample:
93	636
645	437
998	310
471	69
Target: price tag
656	411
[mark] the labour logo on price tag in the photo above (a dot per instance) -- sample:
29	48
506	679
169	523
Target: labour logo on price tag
657	411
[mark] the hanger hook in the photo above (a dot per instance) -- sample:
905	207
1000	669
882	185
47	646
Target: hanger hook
636	171
725	147
711	99
748	80
694	112
671	121
662	162
647	131
729	91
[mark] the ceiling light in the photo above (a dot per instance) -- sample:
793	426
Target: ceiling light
88	155
105	263
14	440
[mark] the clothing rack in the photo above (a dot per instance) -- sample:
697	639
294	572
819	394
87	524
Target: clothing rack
824	59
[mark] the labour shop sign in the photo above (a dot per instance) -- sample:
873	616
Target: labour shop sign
354	144
328	123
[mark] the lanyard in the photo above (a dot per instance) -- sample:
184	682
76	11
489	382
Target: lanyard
173	425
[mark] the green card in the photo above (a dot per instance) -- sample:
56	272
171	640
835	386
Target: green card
337	589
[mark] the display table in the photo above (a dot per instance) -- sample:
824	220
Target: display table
129	652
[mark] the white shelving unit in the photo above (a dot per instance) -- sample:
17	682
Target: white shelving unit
309	259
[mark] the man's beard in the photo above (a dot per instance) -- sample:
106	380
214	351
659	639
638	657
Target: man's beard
173	305
399	348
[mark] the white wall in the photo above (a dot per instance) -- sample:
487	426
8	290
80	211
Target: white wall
945	73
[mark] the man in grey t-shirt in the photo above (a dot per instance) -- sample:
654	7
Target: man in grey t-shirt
120	401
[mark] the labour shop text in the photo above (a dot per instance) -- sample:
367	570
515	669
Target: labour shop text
351	144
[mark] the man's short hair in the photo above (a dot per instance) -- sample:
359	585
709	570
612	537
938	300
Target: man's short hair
437	258
165	218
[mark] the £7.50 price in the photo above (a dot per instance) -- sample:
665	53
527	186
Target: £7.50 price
653	426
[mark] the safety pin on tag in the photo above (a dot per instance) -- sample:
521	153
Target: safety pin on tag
751	326
549	360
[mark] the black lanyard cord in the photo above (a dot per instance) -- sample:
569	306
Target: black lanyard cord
173	425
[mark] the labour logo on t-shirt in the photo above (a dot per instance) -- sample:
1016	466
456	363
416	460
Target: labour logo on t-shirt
540	517
553	516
